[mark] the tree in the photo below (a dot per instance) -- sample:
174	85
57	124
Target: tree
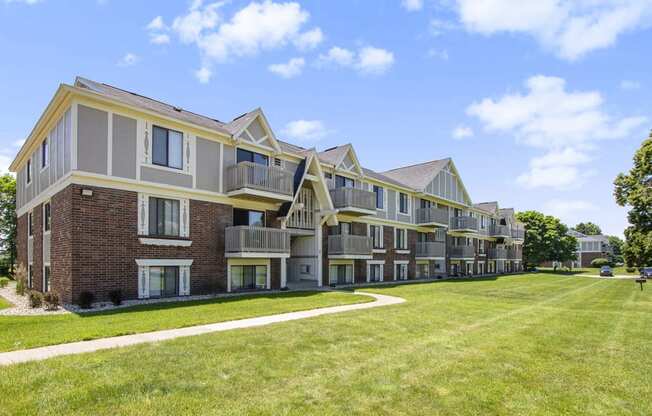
8	219
588	228
546	239
634	190
616	244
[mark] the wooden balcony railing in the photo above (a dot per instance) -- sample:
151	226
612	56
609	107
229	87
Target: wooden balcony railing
518	233
259	177
500	231
349	245
432	215
353	198
458	252
463	223
246	239
430	249
497	253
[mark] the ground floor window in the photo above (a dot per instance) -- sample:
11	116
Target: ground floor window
163	281
469	268
46	278
248	277
340	274
423	271
375	272
480	268
401	271
455	269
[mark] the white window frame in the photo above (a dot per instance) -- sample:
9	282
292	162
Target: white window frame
143	274
398	203
380	263
384	208
143	222
46	289
403	264
401	250
268	278
29	172
331	265
380	249
30	224
45	160
47	232
421	263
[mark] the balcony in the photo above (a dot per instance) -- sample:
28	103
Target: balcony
256	242
349	246
253	181
354	201
497	253
518	233
433	216
430	250
464	224
514	255
500	231
462	252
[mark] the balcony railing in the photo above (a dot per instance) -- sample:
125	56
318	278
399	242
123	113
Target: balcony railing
432	215
518	233
464	224
500	231
353	198
459	252
514	255
259	177
349	245
497	253
430	249
246	239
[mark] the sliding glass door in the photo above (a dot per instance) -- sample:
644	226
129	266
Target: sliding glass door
248	277
163	281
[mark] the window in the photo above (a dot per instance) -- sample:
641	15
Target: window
343	182
423	271
167	148
30	276
401	271
46	278
343	228
28	171
341	274
248	277
305	269
278	162
163	217
401	239
483	224
481	246
248	217
375	272
469	269
403	203
253	157
46	217
426	204
376	234
422	237
44	153
30	230
163	281
380	197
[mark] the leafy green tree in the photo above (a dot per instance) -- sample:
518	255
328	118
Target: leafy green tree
616	244
8	219
588	228
634	190
546	239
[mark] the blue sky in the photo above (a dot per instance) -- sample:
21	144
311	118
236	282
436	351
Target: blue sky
540	104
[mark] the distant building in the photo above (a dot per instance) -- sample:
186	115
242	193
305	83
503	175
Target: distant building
589	248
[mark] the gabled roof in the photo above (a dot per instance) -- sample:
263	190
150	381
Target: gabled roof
336	155
417	176
491	207
133	99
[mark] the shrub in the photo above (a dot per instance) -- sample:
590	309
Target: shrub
35	299
51	301
631	269
116	297
21	280
600	262
86	300
4	282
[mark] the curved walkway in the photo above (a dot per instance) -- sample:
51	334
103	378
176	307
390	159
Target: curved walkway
42	353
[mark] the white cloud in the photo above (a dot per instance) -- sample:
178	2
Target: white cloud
439	26
462	132
412	5
129	59
566	124
629	85
305	130
203	74
569	28
309	40
369	60
569	211
156	24
159	39
190	26
291	69
438	54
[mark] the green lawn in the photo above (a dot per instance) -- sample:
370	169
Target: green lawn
590	271
519	345
21	332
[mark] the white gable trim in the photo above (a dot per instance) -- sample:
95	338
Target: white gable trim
259	115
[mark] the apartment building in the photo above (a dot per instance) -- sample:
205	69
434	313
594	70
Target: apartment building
117	191
589	248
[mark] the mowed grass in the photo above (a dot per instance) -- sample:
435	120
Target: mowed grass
521	345
22	332
591	271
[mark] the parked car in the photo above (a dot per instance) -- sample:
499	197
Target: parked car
646	273
606	271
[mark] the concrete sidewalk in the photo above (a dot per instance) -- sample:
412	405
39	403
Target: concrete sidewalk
42	353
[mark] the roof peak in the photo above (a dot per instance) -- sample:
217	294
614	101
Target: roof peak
418	164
